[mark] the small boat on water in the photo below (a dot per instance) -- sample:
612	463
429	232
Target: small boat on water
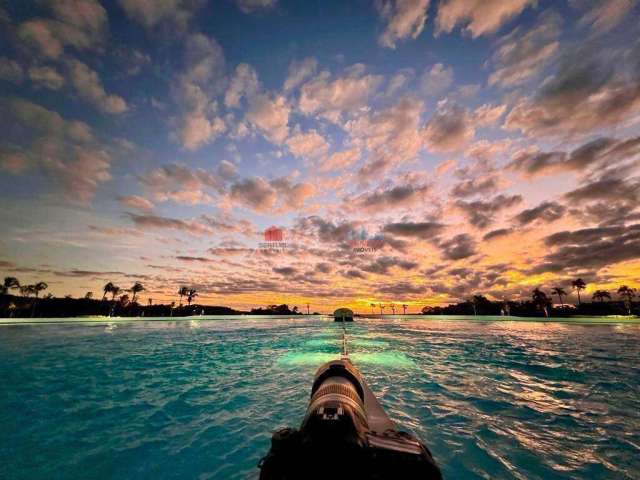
343	315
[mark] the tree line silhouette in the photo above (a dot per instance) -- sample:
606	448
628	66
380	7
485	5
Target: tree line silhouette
541	304
17	300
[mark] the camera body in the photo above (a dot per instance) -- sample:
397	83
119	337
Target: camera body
345	434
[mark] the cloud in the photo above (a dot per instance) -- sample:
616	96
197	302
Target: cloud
613	189
488	115
401	289
293	195
399	196
181	184
475	186
590	90
422	230
250	6
481	213
353	273
307	145
330	97
591	248
90	88
382	265
243	84
521	55
195	88
459	247
65	149
605	15
436	80
151	13
46	77
392	136
404	18
81	24
255	193
136	201
450	127
149	221
11	71
591	156
500	232
479	17
546	211
14	162
299	71
340	161
271	116
445	166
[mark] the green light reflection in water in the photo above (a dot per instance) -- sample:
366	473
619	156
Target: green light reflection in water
386	359
352	343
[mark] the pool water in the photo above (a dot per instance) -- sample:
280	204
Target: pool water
199	399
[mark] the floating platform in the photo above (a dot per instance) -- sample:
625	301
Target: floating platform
343	315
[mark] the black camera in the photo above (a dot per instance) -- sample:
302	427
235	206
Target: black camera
346	434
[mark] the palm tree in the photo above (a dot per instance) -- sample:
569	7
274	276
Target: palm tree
629	293
137	288
373	306
191	294
11	283
560	292
36	289
25	290
404	308
183	291
381	308
88	295
39	287
541	300
577	286
393	308
115	290
124	300
601	295
107	289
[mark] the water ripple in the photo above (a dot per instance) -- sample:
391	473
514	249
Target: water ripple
199	399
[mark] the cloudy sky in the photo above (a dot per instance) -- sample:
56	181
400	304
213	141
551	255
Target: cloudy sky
489	146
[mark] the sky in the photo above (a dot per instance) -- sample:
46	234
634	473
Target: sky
411	152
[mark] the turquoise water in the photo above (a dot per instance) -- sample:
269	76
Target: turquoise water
198	399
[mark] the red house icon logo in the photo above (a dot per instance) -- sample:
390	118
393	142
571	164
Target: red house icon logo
273	234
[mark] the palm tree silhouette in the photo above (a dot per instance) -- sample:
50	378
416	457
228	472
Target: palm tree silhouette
183	291
137	288
541	300
404	308
373	306
115	290
560	292
11	283
381	308
577	286
393	308
601	295
629	293
39	287
191	294
107	289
